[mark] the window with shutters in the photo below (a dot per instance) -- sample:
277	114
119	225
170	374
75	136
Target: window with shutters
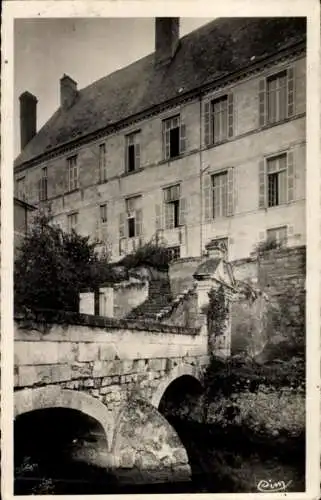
218	119
276	97
174	137
72	173
43	185
277	235
133	152
219	194
133	217
172	206
21	188
102	163
73	222
277	180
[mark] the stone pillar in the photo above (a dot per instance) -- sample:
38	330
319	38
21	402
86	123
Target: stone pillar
202	290
87	303
220	345
106	302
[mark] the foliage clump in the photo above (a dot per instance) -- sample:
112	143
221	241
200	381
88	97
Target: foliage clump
52	267
150	255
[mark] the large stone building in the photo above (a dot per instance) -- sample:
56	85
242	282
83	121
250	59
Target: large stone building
203	139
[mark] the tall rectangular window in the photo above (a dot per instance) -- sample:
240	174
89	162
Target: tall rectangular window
277	180
73	222
277	235
174	137
102	163
219	189
277	97
133	152
43	185
220	119
72	173
172	206
21	188
134	217
103	213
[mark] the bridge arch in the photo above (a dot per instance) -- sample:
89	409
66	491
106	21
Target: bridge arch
175	373
41	398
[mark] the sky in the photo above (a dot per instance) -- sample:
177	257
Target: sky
84	49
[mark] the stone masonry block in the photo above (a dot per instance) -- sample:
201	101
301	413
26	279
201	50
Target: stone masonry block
43	353
60	373
31	375
107	352
106	368
81	370
157	364
88	351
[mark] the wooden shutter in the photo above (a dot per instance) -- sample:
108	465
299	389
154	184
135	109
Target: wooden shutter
262	184
207	123
166	135
290	81
137	155
182	138
158	217
230	191
182	211
169	216
262	102
126	154
139	222
290	175
207	193
122	228
230	110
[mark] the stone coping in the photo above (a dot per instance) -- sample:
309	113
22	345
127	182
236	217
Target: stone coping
72	318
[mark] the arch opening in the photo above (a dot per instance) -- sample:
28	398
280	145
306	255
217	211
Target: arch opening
58	450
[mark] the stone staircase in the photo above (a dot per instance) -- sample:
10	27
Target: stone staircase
159	297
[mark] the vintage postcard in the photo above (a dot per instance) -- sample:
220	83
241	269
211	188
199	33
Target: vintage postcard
160	251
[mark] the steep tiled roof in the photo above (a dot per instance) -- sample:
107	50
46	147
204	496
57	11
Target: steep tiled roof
207	54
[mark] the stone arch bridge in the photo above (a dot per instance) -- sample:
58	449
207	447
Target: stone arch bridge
115	377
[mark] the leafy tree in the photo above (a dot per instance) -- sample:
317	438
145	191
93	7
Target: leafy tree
53	266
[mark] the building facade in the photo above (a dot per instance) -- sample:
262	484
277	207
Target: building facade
202	140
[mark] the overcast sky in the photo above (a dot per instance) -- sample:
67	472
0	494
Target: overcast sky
85	49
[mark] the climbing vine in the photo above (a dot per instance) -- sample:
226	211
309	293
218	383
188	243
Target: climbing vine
217	311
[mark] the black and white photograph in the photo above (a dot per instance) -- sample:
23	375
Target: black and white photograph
161	230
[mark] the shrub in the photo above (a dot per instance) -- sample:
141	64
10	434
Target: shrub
150	254
52	267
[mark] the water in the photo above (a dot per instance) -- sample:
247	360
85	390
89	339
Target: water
221	463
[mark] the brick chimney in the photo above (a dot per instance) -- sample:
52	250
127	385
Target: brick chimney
166	38
68	91
28	118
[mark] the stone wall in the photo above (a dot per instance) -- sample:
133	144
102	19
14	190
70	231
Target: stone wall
93	358
181	274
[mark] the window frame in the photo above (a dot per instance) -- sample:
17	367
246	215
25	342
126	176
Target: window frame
69	219
223	194
282	242
73	180
102	162
172	199
21	181
132	140
168	126
220	113
278	96
280	174
103	216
